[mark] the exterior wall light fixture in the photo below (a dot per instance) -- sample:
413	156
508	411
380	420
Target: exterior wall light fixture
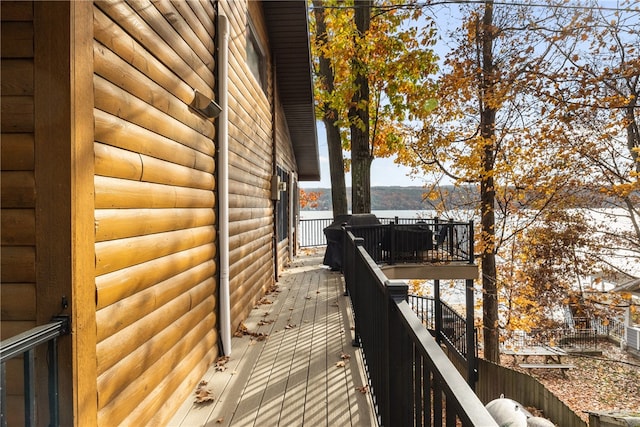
205	106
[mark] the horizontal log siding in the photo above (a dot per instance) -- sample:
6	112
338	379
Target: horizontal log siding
250	170
17	193
158	403
155	207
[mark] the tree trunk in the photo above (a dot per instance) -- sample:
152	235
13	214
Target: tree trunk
487	189
633	132
336	167
360	181
334	141
488	263
361	157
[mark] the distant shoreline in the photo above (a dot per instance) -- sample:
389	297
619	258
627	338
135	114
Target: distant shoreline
413	198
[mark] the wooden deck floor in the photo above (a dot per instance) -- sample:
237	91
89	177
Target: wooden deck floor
292	377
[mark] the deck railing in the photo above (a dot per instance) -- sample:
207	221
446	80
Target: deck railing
311	232
412	380
402	239
611	327
450	327
581	334
565	338
409	240
24	345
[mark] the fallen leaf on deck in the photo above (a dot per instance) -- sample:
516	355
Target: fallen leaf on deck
345	356
260	337
264	300
364	389
203	393
219	420
340	364
243	330
221	363
290	326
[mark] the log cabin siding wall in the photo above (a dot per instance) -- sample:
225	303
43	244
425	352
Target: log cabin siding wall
155	202
147	212
250	170
18	195
251	164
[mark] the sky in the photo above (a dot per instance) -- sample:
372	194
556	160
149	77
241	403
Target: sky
384	172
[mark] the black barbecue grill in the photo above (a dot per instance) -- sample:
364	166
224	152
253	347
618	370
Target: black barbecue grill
359	223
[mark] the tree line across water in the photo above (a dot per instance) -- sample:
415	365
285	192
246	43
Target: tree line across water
449	197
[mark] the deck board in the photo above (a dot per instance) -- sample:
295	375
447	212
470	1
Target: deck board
291	377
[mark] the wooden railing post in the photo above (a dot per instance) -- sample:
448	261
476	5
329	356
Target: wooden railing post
399	358
437	305
472	259
451	243
392	243
472	364
353	284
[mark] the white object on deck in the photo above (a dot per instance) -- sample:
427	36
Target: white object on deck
507	412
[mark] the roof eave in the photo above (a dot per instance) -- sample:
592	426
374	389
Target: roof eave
288	27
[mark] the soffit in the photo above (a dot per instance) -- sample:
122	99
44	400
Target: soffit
288	28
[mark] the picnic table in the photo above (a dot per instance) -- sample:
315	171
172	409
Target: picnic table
550	354
552	357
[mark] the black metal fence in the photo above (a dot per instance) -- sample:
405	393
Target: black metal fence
425	309
610	327
582	333
438	316
403	239
413	383
565	338
24	345
310	232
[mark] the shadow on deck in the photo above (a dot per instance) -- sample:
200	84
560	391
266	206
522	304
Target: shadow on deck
294	376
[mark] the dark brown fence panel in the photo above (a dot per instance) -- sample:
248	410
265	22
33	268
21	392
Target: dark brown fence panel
494	380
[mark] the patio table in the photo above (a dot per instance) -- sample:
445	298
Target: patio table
550	354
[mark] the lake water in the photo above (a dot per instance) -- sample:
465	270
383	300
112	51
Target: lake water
611	220
385	214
